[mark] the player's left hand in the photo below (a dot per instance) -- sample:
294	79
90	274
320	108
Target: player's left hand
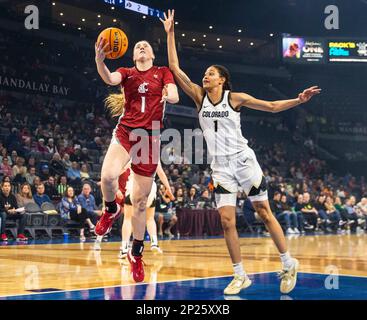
307	94
164	94
169	194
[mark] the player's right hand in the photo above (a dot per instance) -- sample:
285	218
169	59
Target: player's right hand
100	50
169	21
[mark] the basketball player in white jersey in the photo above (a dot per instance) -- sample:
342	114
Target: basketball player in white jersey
234	164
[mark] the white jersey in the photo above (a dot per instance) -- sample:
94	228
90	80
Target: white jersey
221	126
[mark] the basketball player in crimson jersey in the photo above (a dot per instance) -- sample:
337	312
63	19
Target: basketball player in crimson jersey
234	162
142	106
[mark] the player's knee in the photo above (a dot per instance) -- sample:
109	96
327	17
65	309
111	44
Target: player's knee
264	212
141	202
174	219
228	223
108	179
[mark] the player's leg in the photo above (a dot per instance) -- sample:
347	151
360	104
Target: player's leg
141	188
126	229
227	210
251	179
115	160
288	275
152	230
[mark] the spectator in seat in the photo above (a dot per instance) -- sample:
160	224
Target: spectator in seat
36	182
4	155
40	196
325	222
51	148
51	190
85	155
205	201
297	209
180	201
77	155
25	195
66	161
164	212
88	202
73	175
5	168
8	210
14	156
19	171
282	216
192	198
84	174
333	213
56	165
309	211
296	219
44	173
71	209
30	175
62	186
41	146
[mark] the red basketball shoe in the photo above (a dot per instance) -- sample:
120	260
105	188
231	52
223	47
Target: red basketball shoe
104	224
137	266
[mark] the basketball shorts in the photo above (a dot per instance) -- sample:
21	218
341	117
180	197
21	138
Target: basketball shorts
234	171
143	148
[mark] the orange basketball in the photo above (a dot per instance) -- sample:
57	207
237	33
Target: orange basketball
117	41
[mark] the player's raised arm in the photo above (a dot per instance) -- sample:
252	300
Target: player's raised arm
245	100
111	78
194	91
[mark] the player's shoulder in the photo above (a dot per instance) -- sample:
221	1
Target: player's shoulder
127	70
162	69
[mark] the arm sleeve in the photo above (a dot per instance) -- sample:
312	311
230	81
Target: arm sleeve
167	76
124	73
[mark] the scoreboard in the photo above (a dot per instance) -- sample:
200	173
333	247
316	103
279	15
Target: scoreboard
136	7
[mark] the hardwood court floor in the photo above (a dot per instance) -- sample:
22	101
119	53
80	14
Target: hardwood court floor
69	266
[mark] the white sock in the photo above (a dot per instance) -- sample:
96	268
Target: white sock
287	260
238	269
154	241
125	245
99	238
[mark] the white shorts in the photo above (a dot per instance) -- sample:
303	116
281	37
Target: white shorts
239	170
152	195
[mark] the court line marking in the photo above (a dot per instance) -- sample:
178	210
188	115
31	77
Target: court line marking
339	274
131	284
161	282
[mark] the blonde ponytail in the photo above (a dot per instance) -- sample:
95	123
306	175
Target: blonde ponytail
115	103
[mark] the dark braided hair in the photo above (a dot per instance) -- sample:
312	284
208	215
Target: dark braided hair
223	72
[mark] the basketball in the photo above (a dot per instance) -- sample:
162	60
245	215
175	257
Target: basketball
117	40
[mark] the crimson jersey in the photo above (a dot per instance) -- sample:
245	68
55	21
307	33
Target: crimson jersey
143	93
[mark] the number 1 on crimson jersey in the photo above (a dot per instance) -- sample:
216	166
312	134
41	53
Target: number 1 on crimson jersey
142	104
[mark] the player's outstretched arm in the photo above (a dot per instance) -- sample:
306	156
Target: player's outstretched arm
245	100
194	91
113	78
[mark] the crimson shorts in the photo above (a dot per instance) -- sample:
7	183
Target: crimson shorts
143	147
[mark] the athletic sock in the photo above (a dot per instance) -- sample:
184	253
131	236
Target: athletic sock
154	241
287	260
238	269
138	247
111	207
125	245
